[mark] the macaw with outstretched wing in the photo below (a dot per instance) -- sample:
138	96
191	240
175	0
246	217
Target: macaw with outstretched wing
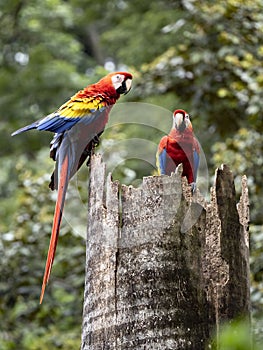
77	125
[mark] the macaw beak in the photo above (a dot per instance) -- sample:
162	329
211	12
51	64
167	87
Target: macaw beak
125	87
128	84
179	122
182	125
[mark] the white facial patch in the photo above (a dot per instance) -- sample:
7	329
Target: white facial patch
117	80
187	120
178	119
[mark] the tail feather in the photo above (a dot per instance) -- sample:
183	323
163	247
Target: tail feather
25	128
62	189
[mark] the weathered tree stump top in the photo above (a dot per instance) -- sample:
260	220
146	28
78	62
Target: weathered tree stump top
164	268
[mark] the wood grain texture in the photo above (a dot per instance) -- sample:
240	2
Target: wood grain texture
164	268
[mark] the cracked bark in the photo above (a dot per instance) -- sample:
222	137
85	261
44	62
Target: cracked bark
164	269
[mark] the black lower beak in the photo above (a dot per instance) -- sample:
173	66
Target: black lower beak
182	126
122	89
125	87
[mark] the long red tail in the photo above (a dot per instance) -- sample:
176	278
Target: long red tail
62	189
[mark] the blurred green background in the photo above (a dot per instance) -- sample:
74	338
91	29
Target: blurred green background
202	56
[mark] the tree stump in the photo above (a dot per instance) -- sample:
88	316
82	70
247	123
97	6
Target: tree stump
164	268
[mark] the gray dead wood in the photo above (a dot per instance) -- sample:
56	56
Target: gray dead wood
164	268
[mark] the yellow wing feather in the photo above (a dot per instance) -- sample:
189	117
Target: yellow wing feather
80	107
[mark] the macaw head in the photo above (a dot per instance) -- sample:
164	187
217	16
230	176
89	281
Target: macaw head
181	120
120	81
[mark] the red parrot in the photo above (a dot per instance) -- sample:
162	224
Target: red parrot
77	125
180	146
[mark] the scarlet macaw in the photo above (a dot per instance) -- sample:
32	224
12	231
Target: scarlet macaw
180	146
77	125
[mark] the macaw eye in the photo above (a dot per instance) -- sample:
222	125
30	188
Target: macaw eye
118	77
187	116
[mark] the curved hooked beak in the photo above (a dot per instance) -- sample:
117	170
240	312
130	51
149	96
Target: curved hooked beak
179	122
125	87
182	125
128	85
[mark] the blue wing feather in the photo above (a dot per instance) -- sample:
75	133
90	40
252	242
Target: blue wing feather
162	161
196	163
56	123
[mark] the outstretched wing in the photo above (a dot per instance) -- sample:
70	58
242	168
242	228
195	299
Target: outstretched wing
73	111
77	125
77	142
77	109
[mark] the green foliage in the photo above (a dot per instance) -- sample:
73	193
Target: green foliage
202	56
244	154
153	19
235	336
26	324
28	92
213	64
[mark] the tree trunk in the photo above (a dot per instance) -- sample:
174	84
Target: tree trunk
164	268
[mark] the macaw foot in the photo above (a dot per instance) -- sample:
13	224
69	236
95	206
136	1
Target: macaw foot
95	141
91	147
193	186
